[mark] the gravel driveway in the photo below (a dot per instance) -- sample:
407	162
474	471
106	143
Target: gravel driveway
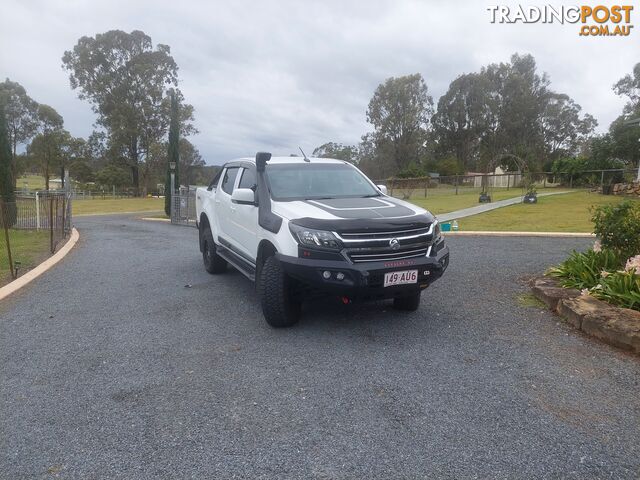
112	368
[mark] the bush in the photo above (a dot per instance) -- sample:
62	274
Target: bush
618	227
620	288
584	269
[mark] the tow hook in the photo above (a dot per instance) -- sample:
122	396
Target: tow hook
345	300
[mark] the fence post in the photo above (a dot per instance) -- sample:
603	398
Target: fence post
426	182
37	212
602	179
6	237
456	180
51	223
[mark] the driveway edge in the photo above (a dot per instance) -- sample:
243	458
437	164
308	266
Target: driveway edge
34	273
616	326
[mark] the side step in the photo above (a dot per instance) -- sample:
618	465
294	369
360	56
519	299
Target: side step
237	261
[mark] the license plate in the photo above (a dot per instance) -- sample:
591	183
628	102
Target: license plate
400	278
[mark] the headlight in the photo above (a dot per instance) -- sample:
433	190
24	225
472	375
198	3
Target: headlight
437	233
314	238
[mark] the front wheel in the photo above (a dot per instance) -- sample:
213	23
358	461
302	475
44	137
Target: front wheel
213	263
274	287
408	304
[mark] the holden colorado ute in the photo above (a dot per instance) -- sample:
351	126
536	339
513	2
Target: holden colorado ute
302	227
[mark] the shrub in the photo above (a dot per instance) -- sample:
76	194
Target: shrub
618	227
584	269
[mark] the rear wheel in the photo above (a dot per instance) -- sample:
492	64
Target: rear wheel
213	263
408	304
274	287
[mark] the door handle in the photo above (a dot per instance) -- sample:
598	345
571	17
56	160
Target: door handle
233	209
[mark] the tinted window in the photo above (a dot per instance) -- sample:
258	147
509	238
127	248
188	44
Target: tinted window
319	180
248	179
229	179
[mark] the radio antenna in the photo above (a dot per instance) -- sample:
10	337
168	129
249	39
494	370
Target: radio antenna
306	159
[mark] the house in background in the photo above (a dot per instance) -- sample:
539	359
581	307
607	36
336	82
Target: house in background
498	179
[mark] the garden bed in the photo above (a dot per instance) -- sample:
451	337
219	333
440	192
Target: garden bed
598	291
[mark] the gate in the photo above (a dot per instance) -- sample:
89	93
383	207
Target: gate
183	208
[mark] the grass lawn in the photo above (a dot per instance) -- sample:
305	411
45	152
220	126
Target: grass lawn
562	213
117	205
34	182
437	202
27	247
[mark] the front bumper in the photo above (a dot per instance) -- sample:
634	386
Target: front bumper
364	281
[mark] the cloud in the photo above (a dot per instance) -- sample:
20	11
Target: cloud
275	75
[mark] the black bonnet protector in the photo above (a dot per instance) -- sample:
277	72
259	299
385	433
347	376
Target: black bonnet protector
367	207
365	214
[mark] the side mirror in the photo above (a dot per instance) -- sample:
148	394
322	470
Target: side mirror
243	196
382	188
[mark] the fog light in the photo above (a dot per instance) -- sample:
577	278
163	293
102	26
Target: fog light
326	274
340	276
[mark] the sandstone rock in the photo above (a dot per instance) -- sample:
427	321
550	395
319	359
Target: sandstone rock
574	310
616	326
550	292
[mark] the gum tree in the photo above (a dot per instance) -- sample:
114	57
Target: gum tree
125	78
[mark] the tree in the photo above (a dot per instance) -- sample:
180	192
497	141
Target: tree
626	138
463	118
507	110
125	78
400	111
46	146
113	176
629	86
348	153
80	171
7	183
173	155
190	161
562	127
21	116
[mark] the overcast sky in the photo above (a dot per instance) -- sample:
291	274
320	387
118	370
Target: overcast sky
273	75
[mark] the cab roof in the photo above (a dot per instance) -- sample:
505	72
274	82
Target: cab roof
289	160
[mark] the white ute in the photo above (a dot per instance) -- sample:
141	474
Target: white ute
316	226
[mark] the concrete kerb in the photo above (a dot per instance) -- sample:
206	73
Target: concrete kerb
34	273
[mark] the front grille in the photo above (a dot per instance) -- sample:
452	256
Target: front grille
378	246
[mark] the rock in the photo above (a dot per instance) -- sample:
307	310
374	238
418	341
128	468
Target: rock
627	189
574	310
550	292
616	326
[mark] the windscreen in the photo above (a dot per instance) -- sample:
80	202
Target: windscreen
314	181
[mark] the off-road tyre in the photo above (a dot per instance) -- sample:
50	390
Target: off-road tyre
213	263
274	288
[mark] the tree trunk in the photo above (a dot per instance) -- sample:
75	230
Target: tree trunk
135	174
14	164
46	172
